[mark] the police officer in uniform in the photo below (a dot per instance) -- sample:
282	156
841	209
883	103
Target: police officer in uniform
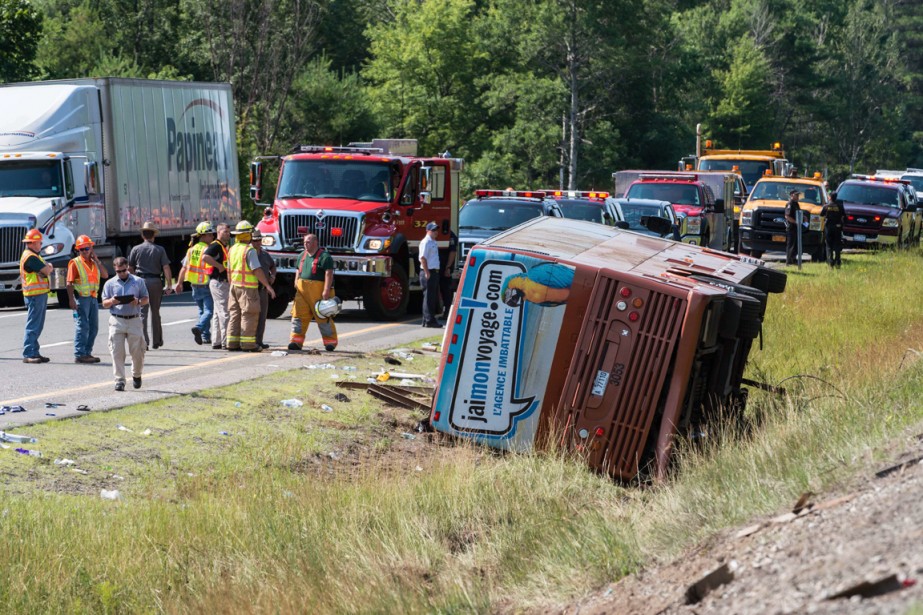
150	262
791	228
834	216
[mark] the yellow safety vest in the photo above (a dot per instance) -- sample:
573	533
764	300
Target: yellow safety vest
33	283
88	284
241	274
196	270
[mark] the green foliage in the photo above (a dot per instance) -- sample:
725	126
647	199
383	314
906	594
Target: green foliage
743	111
20	29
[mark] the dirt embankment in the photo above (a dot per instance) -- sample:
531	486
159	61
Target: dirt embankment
856	550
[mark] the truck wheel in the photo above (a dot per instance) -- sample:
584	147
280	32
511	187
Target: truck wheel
749	328
278	305
386	298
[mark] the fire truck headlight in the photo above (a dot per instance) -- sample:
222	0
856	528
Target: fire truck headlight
694	225
373	244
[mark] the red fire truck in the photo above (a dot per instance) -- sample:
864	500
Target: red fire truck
368	204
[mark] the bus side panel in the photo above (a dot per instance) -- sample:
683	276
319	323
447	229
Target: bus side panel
503	340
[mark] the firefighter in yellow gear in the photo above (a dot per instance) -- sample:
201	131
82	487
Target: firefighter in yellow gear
245	276
313	283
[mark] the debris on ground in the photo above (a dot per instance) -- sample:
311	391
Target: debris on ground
292	403
9	437
109	495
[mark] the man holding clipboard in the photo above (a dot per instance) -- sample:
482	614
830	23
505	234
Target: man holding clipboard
123	296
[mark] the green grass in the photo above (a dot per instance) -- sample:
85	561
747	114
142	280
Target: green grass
300	510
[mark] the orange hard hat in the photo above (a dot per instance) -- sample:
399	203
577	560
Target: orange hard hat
32	235
84	242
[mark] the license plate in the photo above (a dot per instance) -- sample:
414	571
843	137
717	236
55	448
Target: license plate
858	237
778	238
599	385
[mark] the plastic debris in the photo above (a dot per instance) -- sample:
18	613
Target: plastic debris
117	477
9	437
326	408
50	414
341	397
79	471
83	408
383	377
278	353
408	436
348	368
6	409
53	404
109	495
25	451
237	404
123	428
224	433
292	403
64	462
146	432
321	366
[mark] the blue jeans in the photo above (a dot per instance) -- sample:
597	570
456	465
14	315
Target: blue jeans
203	299
36	306
86	317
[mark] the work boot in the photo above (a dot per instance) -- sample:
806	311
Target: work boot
330	347
216	346
95	359
197	333
84	359
294	346
32	360
43	359
136	382
119	386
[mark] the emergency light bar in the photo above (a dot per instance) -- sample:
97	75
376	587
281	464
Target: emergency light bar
330	149
532	194
873	178
683	176
577	194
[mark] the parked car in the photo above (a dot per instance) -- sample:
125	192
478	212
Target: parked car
878	212
592	206
633	211
493	211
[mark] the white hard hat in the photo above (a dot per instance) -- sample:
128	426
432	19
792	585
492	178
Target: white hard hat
328	308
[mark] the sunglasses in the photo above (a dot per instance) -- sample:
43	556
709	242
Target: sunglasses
84	250
121	270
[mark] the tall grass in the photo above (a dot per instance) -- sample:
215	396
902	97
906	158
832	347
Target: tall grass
299	510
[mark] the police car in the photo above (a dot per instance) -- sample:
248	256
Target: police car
494	211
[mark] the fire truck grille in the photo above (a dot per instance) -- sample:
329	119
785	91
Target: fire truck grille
334	232
11	245
615	416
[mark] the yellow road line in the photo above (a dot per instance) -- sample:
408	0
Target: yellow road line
174	370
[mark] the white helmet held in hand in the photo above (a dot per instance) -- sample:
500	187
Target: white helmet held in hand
328	308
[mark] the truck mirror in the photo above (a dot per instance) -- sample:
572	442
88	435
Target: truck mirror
426	198
718	207
256	194
256	176
91	177
659	225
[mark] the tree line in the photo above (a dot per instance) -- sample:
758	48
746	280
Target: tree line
531	93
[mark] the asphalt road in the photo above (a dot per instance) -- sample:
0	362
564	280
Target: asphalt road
180	366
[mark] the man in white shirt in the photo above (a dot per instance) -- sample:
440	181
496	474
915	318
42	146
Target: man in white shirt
429	275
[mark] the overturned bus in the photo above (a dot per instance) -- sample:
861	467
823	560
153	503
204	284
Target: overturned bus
602	341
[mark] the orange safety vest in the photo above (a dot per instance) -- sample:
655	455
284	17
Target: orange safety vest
197	271
241	274
33	283
224	263
88	284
